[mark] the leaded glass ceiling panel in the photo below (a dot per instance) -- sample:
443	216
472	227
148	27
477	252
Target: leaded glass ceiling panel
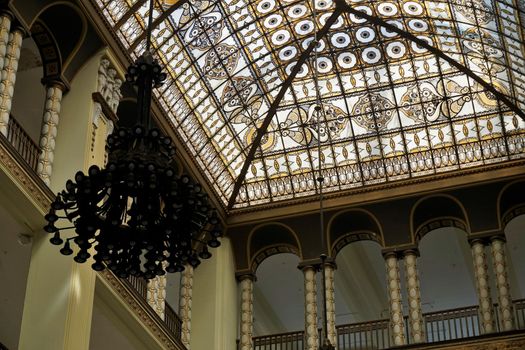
391	109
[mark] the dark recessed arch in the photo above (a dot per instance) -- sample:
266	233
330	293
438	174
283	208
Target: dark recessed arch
352	226
270	239
67	25
436	211
511	202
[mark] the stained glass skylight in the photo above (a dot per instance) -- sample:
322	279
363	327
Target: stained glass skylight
392	109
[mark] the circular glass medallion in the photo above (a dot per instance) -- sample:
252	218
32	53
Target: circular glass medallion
346	60
365	35
413	8
371	55
340	40
273	21
396	49
297	11
324	65
389	33
280	37
418	25
304	27
288	53
387	9
266	6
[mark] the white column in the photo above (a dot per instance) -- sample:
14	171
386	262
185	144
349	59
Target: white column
8	76
246	313
5	25
499	260
151	295
486	312
415	316
397	324
161	296
330	303
310	308
48	133
186	289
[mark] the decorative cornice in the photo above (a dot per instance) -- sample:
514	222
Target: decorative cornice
140	308
382	187
25	177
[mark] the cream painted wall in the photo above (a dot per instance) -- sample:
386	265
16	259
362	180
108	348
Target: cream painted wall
215	306
59	294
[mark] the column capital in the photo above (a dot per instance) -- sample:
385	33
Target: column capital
391	253
18	27
55	81
310	264
240	276
498	237
478	240
411	251
5	11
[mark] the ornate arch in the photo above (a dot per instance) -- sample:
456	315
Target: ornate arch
436	211
269	239
353	225
511	202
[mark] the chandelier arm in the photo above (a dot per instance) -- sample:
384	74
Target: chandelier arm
437	52
275	104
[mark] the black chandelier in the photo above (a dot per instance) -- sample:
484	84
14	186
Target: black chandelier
140	217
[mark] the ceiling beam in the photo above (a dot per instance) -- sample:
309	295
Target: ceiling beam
156	23
132	10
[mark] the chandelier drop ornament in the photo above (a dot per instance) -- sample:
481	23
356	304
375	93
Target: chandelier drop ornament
137	216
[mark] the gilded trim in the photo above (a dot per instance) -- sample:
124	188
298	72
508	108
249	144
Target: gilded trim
25	177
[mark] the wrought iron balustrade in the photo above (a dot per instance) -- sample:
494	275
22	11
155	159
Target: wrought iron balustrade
283	341
444	325
452	324
519	313
140	285
172	320
23	144
365	335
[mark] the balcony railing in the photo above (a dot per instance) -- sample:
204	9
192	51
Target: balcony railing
452	324
172	320
140	285
284	341
23	144
519	313
439	326
365	335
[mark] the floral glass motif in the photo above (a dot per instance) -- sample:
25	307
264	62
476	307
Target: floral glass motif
392	109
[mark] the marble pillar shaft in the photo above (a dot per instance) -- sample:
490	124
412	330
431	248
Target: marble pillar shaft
49	130
246	314
186	289
310	308
5	26
330	303
499	260
8	76
394	296
486	312
415	316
